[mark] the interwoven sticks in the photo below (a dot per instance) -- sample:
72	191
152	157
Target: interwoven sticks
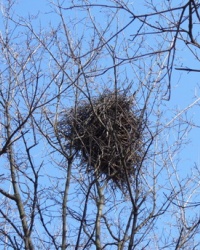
107	134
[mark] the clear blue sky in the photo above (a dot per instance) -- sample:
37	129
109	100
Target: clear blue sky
184	85
184	89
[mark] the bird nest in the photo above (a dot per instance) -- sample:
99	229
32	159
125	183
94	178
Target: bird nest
107	134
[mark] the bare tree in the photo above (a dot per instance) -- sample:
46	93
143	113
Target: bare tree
62	184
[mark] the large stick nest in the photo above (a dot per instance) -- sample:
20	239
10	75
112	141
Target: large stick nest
107	134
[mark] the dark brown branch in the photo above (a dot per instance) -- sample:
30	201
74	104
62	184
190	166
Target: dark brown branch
188	69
